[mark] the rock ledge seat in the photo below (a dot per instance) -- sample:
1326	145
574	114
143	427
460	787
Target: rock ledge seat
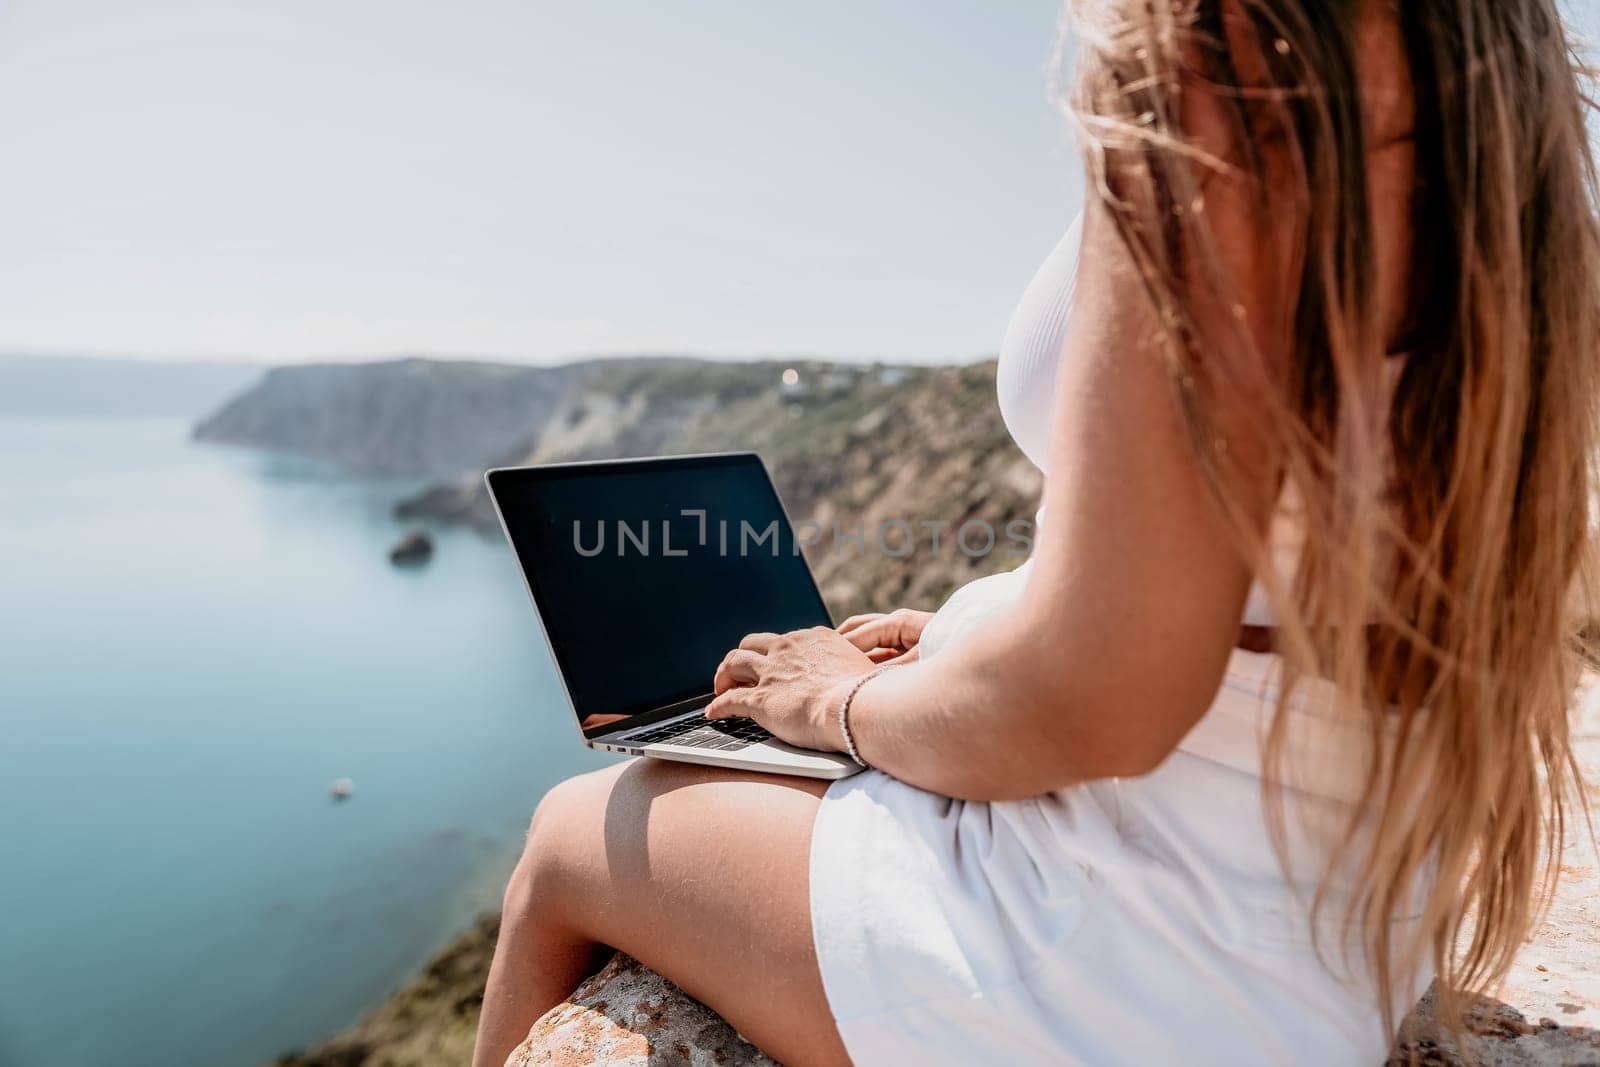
629	1016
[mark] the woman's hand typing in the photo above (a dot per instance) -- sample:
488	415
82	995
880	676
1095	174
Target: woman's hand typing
791	684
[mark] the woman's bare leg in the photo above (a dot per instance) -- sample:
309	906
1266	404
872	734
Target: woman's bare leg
701	874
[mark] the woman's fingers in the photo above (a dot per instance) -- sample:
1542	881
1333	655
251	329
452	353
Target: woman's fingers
740	667
855	622
761	642
899	630
734	703
793	688
879	633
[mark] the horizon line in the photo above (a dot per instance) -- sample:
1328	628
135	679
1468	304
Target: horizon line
399	356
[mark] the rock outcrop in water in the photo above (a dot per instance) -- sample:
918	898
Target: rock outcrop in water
412	550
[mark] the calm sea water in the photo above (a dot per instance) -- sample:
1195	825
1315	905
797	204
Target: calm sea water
194	641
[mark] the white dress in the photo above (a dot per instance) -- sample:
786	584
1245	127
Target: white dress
1134	921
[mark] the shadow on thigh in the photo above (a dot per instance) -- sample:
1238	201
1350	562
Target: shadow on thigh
715	796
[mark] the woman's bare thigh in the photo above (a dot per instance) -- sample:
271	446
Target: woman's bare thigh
703	875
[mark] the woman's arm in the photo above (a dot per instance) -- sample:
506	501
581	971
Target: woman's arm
1117	644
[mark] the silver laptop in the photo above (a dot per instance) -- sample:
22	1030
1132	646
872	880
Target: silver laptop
644	573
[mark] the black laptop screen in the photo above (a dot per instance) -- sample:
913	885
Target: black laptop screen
645	573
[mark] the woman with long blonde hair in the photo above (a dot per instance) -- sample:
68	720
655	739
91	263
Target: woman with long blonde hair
1272	730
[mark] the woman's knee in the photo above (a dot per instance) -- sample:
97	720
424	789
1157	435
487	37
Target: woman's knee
556	854
568	802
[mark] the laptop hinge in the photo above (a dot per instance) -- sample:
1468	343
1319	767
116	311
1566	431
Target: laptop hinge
646	718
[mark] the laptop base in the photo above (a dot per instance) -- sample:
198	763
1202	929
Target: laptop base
750	749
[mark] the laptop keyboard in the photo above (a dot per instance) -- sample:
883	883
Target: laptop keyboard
697	732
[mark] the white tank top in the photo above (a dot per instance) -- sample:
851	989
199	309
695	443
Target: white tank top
1030	356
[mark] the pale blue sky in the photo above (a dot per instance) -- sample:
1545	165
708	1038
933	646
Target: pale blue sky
295	179
526	179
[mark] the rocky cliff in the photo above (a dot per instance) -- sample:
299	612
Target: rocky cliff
427	418
430	1022
900	456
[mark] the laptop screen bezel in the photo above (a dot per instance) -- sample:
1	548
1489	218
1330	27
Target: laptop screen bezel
503	481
